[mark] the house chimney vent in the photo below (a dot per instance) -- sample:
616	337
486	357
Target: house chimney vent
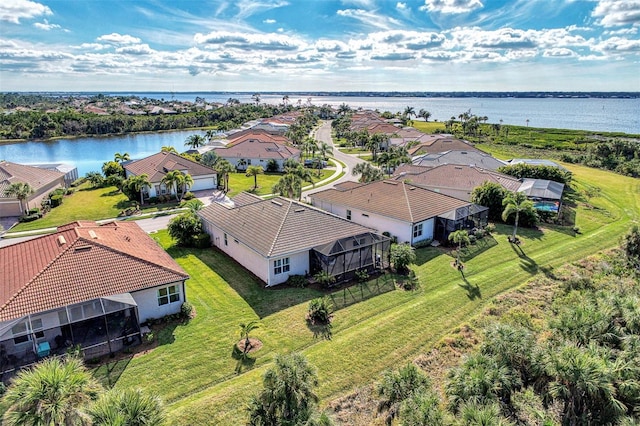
61	240
93	234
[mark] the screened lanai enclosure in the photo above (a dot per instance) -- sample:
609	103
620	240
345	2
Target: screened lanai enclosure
98	327
468	217
342	258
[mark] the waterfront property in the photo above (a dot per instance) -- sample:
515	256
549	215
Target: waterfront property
466	157
409	212
156	167
277	238
86	284
41	180
258	148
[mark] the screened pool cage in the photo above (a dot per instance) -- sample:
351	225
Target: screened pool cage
342	258
99	326
468	217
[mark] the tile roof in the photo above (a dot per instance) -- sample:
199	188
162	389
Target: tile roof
280	225
34	176
455	177
157	165
398	200
256	134
81	261
442	144
466	157
254	148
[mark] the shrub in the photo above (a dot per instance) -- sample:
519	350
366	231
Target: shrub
401	256
56	200
362	275
472	239
78	182
29	218
58	191
186	229
189	196
70	191
320	311
490	228
324	278
202	240
297	281
423	243
272	166
34	210
152	200
186	310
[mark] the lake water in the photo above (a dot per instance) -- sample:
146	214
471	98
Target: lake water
88	154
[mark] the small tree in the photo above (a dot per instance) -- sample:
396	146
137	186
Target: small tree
489	194
245	329
459	237
397	386
112	168
127	407
183	228
95	179
516	203
401	256
254	171
631	246
288	396
320	310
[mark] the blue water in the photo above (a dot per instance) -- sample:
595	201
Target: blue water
88	154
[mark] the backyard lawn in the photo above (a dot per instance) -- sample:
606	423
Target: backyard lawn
377	327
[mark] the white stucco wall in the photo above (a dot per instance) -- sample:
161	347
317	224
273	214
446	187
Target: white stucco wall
147	301
253	261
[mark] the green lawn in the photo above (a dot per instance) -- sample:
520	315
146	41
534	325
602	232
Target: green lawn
353	150
197	376
429	126
239	182
85	204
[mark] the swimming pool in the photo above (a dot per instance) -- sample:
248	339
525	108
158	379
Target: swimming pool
547	206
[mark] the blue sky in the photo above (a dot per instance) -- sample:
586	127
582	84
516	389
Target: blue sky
320	45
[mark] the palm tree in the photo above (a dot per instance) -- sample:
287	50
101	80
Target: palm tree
459	237
224	168
121	158
515	202
245	329
423	113
168	149
95	179
242	164
254	171
21	191
130	407
396	387
309	146
374	144
138	183
195	141
409	112
367	172
285	100
172	180
187	182
288	397
289	185
344	109
210	135
256	98
54	392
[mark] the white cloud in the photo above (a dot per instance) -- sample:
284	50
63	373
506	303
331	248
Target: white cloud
619	45
248	8
121	39
617	12
45	25
622	31
241	41
91	46
451	6
370	18
559	52
401	6
135	49
14	10
269	21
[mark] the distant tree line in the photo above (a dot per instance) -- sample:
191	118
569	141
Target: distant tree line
618	155
43	125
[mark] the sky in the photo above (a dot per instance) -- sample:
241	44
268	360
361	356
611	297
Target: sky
319	45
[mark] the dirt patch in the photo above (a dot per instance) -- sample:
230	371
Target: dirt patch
254	345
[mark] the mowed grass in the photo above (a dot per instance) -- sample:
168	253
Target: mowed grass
196	375
239	182
85	204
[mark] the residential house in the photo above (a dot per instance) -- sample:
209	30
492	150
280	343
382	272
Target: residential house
277	238
158	165
409	212
453	179
467	157
258	148
441	144
43	181
86	284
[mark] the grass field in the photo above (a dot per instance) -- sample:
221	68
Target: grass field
196	374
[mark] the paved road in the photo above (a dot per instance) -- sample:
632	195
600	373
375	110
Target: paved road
323	134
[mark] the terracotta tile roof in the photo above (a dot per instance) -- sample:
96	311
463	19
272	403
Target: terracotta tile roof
157	165
441	144
398	200
254	148
253	134
81	261
34	176
279	226
455	177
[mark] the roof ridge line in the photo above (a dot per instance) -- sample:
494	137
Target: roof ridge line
47	266
284	219
406	197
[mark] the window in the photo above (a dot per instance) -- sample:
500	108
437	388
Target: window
168	295
417	230
348	214
19	329
280	266
226	243
37	328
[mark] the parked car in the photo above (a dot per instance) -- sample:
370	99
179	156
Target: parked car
313	163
